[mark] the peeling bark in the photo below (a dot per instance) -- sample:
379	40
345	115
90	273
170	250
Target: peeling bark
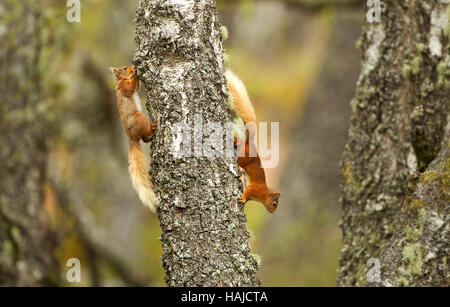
399	118
179	59
26	242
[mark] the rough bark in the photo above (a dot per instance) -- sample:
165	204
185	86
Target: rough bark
399	118
26	243
179	59
418	254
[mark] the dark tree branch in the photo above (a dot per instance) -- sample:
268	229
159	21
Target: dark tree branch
94	241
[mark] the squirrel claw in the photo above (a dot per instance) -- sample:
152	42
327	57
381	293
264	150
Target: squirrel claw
152	125
243	200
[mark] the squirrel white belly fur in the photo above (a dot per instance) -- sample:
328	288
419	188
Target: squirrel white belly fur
137	100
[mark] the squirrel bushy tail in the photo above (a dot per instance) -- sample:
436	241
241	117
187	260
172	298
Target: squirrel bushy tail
242	103
140	177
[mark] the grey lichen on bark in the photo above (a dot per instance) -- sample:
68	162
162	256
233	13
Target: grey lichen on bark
418	252
179	59
26	241
399	119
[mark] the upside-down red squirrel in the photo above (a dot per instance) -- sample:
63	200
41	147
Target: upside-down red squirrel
137	128
257	188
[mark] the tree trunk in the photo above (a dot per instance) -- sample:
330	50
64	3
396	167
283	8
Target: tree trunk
26	243
399	118
420	247
179	59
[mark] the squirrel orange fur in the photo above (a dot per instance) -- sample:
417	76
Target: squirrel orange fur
257	188
137	128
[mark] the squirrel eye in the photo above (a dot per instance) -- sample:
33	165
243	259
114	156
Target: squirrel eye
274	204
125	68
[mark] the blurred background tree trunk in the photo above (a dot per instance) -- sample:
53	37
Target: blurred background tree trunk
399	118
26	240
310	181
418	252
179	59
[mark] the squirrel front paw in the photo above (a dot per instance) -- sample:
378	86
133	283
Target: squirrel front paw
149	134
243	199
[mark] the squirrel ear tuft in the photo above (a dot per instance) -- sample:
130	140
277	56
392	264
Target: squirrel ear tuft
275	195
114	71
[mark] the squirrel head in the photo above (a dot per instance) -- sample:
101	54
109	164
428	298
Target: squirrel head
271	202
126	80
124	72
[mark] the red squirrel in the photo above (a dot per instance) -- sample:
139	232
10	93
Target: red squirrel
137	128
257	188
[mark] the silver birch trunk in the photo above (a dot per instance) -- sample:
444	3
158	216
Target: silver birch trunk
392	210
26	240
179	58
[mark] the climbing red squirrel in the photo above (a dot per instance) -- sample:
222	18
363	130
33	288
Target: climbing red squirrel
257	188
137	128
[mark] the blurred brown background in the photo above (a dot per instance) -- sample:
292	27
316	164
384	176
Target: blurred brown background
300	65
